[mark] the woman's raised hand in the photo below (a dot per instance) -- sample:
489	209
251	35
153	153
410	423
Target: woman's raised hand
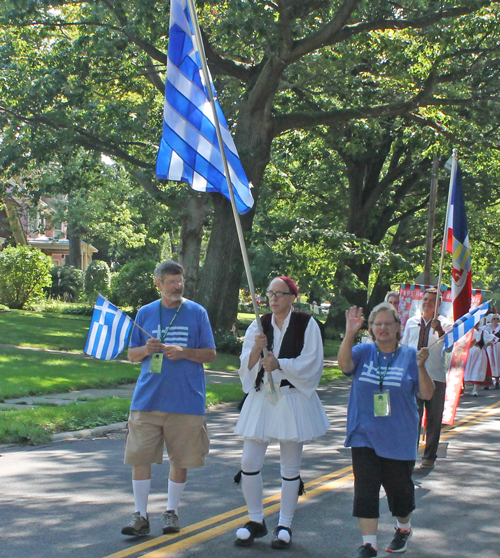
353	320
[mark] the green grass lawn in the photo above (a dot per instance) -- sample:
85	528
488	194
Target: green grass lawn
25	372
44	331
36	425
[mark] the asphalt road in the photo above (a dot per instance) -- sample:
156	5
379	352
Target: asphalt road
70	499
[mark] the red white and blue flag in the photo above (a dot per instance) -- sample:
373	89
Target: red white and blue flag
458	245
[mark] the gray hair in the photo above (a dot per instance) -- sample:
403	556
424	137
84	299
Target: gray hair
168	268
384	307
389	294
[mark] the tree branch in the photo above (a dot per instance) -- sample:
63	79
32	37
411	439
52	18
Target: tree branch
83	137
337	30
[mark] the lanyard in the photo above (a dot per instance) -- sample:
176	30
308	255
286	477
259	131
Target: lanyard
162	337
380	375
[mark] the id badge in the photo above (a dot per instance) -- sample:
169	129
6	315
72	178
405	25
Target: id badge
156	362
381	403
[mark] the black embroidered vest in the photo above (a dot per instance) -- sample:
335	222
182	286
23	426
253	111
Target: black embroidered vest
293	340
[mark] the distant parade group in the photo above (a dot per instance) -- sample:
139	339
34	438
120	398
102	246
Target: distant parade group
397	375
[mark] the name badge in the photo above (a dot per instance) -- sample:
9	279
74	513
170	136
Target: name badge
381	403
156	363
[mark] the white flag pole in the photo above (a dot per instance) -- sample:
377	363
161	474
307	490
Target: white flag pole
206	76
453	174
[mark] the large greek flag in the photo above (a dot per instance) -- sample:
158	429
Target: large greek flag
109	330
465	324
189	150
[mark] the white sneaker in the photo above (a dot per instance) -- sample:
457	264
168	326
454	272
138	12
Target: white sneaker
473	392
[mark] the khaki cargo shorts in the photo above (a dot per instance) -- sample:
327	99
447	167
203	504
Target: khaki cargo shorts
186	438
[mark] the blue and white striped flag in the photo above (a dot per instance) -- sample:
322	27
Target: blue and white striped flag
189	149
109	330
464	324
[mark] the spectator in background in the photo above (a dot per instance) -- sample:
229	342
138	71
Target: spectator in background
392	297
425	331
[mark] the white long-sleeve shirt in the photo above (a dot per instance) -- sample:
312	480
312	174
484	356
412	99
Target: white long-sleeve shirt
435	364
304	371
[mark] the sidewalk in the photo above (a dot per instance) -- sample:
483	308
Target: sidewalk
124	391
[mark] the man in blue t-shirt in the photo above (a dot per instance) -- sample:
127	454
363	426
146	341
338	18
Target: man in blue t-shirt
172	338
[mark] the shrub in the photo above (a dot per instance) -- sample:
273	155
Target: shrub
134	285
24	272
97	279
228	343
67	283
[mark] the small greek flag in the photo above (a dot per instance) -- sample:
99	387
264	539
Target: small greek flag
464	324
189	149
109	330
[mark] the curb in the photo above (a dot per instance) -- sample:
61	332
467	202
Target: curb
88	432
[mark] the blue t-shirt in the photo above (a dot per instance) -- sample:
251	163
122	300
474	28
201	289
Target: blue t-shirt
394	436
180	387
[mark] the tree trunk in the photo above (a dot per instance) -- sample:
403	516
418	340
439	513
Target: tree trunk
15	222
191	237
75	247
221	275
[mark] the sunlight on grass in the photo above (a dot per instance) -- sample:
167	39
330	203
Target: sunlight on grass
24	373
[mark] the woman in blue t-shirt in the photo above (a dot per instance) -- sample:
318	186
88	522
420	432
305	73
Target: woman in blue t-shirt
382	421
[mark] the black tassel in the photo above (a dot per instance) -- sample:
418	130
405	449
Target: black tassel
302	490
237	477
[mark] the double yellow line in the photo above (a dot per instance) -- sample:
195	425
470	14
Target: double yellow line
231	520
219	524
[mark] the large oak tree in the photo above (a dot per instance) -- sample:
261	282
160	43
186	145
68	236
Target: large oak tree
90	74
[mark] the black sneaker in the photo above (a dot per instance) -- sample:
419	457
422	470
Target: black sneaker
366	551
398	543
256	530
280	543
138	527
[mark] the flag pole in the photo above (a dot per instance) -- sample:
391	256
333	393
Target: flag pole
445	234
241	238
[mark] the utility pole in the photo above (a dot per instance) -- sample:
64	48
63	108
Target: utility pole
432	218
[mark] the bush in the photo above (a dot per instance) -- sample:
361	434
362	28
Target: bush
97	279
134	284
226	342
67	283
24	272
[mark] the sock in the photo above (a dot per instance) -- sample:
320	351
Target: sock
252	488
175	490
404	526
141	492
289	498
372	539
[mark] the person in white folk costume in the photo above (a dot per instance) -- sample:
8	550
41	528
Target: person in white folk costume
492	327
477	361
294	416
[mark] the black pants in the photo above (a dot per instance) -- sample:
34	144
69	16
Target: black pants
370	473
434	409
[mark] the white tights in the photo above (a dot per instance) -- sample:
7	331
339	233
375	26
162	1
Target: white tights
252	461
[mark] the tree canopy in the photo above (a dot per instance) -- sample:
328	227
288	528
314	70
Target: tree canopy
370	89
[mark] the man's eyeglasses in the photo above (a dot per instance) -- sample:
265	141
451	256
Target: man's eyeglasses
277	294
172	282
